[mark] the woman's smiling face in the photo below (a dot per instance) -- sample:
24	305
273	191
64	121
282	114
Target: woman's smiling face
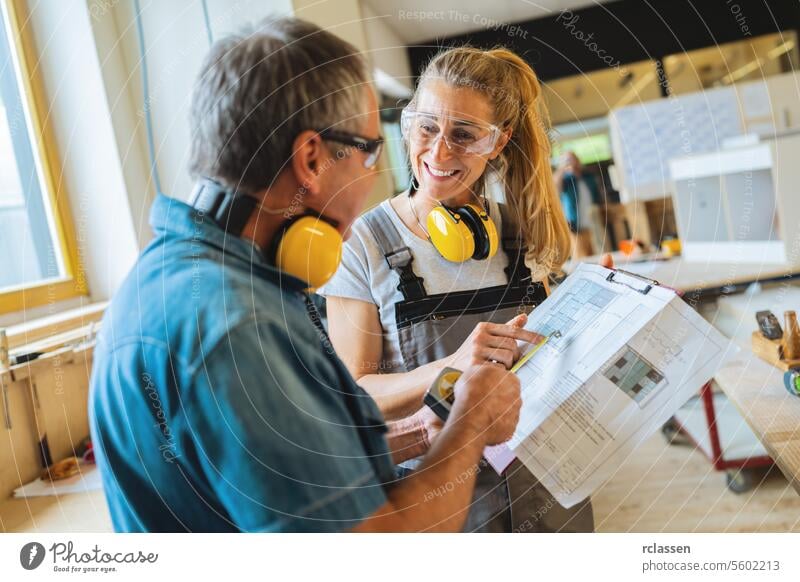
442	174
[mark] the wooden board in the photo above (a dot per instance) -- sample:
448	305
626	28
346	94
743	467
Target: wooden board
76	512
63	389
692	277
673	488
756	389
47	327
771	351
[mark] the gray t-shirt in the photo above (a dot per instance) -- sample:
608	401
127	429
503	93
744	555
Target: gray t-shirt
364	274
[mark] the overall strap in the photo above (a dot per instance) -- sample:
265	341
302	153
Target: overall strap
397	254
514	247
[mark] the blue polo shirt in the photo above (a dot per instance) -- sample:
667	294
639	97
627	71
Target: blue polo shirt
216	402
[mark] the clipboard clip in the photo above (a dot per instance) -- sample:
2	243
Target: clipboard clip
649	283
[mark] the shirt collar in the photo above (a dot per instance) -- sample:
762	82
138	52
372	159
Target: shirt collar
169	216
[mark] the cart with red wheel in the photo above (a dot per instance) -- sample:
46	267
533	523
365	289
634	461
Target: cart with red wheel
711	423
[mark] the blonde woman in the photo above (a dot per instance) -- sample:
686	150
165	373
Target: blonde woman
404	304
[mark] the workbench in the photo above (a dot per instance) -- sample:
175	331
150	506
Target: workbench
701	279
756	389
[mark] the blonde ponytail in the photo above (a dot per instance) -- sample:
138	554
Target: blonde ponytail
523	166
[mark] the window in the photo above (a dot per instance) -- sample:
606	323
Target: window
734	62
594	94
38	254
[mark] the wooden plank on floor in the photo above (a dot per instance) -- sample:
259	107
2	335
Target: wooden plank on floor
673	488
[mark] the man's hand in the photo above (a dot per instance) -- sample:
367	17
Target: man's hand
485	411
412	436
488	397
431	423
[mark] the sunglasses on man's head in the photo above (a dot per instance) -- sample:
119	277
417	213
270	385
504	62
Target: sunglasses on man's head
372	147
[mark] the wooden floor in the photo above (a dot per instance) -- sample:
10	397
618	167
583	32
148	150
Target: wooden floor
661	489
672	488
78	512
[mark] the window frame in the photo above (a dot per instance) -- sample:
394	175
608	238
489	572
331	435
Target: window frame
73	283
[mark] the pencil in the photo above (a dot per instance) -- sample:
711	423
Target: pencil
529	355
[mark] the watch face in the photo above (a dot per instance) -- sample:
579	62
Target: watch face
768	324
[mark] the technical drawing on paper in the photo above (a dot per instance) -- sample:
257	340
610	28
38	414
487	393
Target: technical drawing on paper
577	307
634	375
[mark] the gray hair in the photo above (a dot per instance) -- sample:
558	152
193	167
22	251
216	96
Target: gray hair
260	88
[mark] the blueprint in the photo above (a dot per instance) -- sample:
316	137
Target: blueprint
630	353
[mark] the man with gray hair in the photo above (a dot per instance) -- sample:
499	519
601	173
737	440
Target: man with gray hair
217	403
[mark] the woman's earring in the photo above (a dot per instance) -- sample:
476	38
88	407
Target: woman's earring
414	184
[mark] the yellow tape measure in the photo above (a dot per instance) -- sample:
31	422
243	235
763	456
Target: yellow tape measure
536	348
441	394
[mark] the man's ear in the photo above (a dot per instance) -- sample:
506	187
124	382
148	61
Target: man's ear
308	154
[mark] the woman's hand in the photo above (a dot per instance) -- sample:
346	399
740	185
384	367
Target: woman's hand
495	343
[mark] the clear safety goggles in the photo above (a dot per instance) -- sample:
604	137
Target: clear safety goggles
462	137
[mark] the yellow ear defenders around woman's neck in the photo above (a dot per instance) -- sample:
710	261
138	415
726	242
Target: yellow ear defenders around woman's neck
462	233
307	246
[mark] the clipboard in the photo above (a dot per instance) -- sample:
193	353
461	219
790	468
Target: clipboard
648	283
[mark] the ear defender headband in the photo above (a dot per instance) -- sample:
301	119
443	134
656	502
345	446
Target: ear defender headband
462	233
307	246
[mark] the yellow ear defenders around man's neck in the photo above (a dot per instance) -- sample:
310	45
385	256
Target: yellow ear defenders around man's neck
462	233
307	246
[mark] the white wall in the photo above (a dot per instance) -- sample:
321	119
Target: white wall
80	116
176	42
341	17
356	22
386	49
